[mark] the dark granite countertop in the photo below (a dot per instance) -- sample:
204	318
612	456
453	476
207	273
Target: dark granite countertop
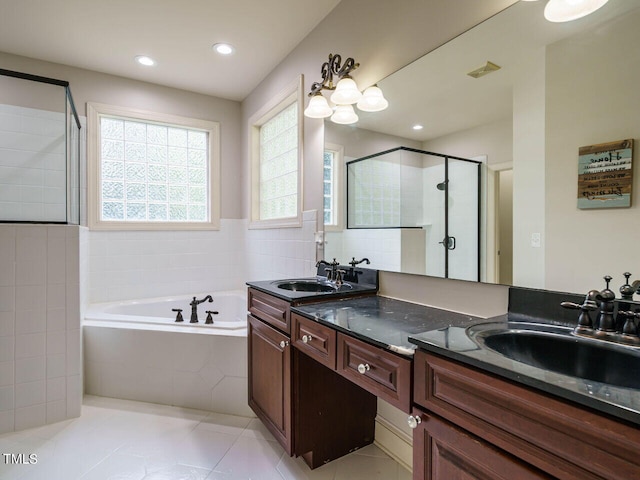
453	342
346	290
384	322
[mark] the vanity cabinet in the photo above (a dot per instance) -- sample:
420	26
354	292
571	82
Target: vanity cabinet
308	407
470	418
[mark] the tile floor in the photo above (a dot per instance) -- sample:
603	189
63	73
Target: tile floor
125	440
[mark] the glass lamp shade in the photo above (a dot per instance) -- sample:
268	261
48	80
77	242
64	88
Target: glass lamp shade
567	10
318	107
346	92
372	100
344	115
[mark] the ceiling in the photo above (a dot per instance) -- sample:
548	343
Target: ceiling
106	35
436	92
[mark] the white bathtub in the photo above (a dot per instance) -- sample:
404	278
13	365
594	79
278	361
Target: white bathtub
157	314
134	350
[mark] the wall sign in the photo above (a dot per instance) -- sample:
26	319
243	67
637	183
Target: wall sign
605	175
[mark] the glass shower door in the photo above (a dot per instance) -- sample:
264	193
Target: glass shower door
461	242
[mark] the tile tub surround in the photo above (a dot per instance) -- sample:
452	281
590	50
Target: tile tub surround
133	440
207	372
40	339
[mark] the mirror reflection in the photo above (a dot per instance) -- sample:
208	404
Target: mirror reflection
559	87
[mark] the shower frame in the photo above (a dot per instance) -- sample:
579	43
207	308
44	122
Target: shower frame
69	97
446	240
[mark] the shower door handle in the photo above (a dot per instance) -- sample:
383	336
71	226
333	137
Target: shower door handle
449	243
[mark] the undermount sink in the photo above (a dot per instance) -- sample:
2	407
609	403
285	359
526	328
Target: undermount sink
557	350
309	286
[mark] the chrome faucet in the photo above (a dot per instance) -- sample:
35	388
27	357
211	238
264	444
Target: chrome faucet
194	307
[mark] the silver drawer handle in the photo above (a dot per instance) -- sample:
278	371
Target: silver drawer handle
364	368
284	344
306	338
414	421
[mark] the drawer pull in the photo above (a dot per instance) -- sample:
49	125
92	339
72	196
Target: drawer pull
306	338
414	421
363	368
284	344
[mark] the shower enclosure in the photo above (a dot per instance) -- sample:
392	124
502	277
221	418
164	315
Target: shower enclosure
39	150
430	200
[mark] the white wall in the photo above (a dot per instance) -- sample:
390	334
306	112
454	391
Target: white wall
40	344
591	102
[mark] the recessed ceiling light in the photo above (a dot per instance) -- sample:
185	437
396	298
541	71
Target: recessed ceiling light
146	61
417	127
224	48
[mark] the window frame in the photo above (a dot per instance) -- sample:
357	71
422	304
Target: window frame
339	193
94	164
293	93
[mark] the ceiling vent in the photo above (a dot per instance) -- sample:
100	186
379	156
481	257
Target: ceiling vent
484	70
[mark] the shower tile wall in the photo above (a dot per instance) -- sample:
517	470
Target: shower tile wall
40	341
32	164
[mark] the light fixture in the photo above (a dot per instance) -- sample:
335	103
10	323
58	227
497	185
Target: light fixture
567	10
318	107
344	115
417	127
345	93
146	61
372	100
223	48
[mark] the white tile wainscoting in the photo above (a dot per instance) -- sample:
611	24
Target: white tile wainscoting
40	339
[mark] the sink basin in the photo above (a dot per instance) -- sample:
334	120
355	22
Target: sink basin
565	354
308	286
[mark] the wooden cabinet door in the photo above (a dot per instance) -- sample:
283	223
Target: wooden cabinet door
442	451
270	380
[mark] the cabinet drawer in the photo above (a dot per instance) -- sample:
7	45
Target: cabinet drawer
561	438
271	310
380	372
314	339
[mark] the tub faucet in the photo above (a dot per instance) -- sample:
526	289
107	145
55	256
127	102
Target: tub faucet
194	307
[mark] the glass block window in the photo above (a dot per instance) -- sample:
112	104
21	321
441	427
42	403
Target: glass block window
330	185
279	165
153	172
374	193
276	160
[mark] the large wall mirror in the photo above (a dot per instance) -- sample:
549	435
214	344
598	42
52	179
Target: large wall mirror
560	87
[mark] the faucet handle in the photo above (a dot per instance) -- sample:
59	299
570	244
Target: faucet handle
585	324
179	315
209	320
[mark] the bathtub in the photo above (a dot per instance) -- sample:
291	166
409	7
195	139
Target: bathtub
134	350
157	314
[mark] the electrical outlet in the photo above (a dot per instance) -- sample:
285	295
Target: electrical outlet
535	240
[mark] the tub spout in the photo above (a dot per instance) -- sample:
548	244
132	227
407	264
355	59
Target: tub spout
194	307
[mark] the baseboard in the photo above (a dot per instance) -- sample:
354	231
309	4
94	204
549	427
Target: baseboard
394	442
